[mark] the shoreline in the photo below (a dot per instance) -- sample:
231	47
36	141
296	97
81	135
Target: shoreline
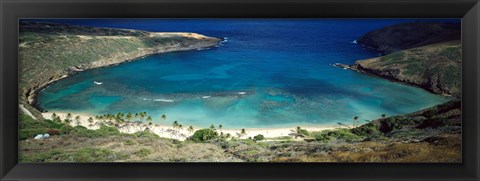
167	131
354	67
32	96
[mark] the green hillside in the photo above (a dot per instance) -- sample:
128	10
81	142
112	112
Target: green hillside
436	67
49	52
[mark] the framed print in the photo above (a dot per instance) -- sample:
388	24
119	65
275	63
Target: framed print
239	90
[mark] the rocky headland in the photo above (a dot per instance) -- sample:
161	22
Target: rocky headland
404	36
49	52
427	55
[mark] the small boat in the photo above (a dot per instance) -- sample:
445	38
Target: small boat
98	83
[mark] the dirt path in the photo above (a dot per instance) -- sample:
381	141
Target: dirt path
24	110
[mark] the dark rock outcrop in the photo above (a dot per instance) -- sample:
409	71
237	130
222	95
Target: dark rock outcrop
410	35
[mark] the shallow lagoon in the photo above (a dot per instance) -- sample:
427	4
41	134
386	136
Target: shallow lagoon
269	73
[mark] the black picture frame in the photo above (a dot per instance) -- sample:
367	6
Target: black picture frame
12	10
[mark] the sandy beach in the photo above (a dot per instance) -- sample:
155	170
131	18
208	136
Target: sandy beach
167	131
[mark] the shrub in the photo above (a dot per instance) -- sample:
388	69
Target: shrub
31	132
129	142
302	131
53	131
80	155
339	134
103	131
28	127
432	123
91	155
259	137
66	129
393	123
145	134
107	130
143	152
204	135
368	130
39	157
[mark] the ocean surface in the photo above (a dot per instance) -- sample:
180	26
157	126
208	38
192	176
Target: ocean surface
267	73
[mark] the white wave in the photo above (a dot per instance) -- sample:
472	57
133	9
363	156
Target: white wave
225	39
203	48
354	41
163	100
241	93
98	83
206	97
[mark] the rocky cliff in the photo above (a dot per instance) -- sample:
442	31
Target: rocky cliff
410	35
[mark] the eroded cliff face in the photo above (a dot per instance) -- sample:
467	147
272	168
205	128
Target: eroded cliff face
49	52
410	35
436	68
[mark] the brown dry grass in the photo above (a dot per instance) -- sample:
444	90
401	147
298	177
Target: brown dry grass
447	148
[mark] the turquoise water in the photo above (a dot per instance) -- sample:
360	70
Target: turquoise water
268	73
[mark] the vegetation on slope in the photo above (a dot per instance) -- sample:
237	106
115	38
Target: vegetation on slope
436	68
430	135
404	36
48	51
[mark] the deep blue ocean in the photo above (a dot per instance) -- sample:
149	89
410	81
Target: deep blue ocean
268	73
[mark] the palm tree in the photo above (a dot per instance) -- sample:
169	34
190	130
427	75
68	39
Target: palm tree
175	124
69	116
220	127
355	121
299	129
120	117
242	132
180	127
190	129
129	117
142	116
90	120
54	116
212	126
383	115
163	117
149	119
77	120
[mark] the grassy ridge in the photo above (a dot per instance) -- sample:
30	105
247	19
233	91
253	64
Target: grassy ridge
48	52
436	68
